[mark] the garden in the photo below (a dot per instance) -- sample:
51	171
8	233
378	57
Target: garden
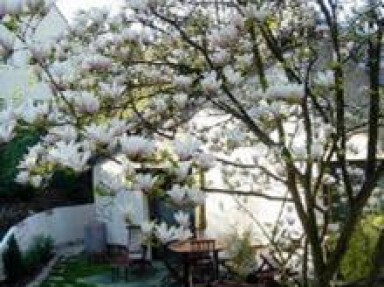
192	143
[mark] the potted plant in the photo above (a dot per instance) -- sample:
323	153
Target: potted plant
242	259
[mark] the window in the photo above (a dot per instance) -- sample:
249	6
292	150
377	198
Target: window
2	104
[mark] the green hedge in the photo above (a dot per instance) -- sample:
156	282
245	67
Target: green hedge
18	266
357	263
10	156
13	261
77	187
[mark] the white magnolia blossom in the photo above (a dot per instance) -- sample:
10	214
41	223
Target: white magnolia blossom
31	112
36	181
232	76
196	196
65	133
183	82
136	146
99	133
22	177
325	79
96	63
317	150
187	148
12	7
210	84
164	233
167	234
144	182
287	91
129	34
220	57
182	171
226	36
184	196
40	51
160	105
182	233
7	40
8	115
177	194
182	218
254	12
30	160
86	103
180	99
147	227
126	166
70	155
138	4
204	161
112	90
7	132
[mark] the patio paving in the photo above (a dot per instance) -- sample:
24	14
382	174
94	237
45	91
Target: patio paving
75	271
152	278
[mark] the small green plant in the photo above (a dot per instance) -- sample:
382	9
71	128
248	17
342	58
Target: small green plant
242	254
38	253
357	262
13	261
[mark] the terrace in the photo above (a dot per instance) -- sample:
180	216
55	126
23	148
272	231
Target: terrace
191	143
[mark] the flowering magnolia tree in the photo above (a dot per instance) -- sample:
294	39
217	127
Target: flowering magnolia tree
274	74
165	171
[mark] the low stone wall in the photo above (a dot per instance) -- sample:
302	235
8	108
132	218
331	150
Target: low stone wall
64	225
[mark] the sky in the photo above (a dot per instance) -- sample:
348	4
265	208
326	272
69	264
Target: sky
69	7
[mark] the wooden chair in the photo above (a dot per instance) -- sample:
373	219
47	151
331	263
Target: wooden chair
136	250
120	263
203	261
269	269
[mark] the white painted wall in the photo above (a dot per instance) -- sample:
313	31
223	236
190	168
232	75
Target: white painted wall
111	209
64	225
17	79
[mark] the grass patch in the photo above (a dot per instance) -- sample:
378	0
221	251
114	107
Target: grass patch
70	272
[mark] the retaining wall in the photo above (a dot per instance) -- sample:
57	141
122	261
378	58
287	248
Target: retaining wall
64	225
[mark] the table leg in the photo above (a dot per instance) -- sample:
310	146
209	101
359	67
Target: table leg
186	274
216	262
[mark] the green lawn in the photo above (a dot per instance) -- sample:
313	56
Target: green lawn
78	272
72	271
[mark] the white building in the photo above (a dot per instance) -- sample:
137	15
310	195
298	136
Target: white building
17	79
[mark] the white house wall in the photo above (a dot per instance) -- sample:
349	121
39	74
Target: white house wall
17	79
112	209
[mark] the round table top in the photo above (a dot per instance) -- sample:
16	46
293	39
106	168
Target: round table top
186	246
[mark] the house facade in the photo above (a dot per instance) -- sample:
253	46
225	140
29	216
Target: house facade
17	78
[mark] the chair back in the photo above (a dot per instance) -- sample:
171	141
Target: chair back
203	245
135	239
203	260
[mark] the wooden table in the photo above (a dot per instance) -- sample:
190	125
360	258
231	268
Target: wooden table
185	249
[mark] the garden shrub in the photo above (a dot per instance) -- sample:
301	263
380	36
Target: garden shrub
357	262
241	253
38	253
13	261
77	187
10	156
